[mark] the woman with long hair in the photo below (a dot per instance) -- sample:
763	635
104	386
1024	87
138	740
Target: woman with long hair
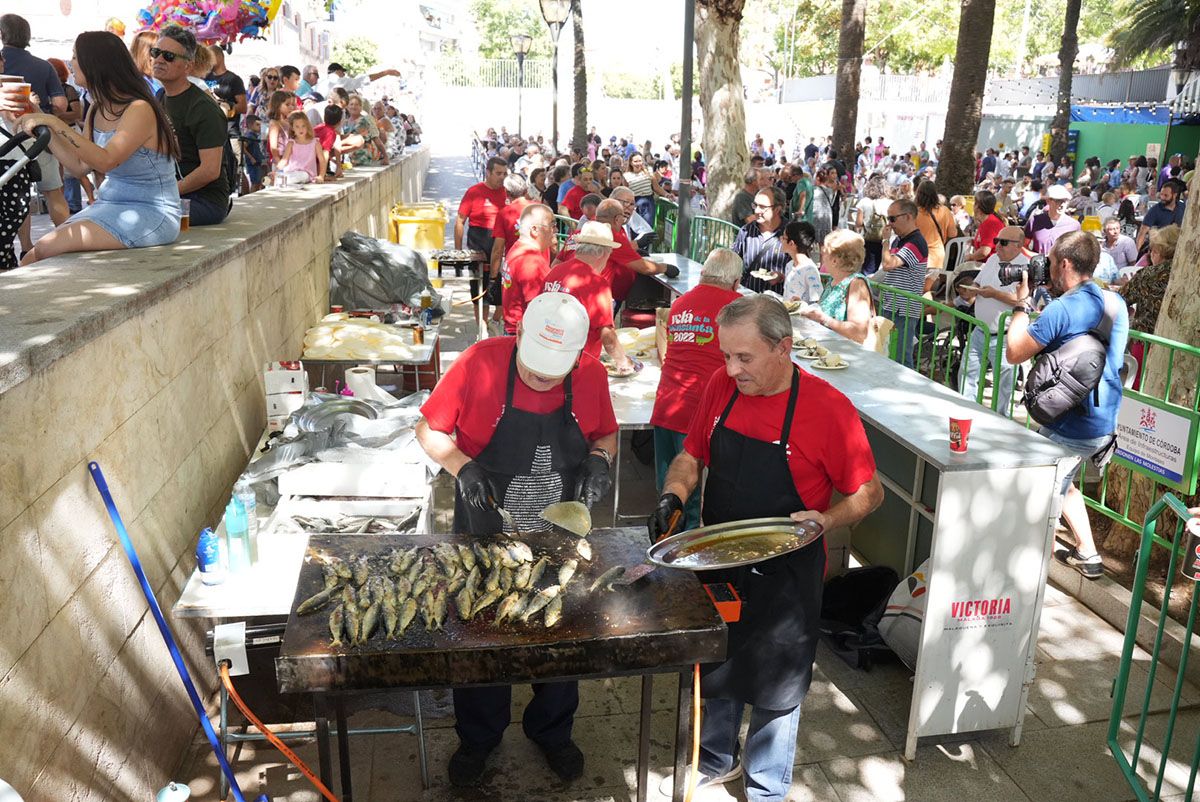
139	50
936	223
126	136
280	105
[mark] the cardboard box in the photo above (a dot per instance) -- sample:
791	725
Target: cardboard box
285	377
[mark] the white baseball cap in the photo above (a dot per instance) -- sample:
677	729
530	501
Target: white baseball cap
553	332
1058	192
595	233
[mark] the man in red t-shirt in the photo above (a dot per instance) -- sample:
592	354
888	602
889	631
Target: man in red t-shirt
582	277
521	423
478	209
693	355
504	234
777	442
625	262
527	263
584	185
989	225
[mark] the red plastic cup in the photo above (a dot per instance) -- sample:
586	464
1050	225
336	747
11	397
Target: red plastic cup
960	430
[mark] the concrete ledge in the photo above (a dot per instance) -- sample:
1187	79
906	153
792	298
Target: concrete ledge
1110	600
50	309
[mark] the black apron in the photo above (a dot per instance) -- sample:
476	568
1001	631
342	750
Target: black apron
772	647
533	460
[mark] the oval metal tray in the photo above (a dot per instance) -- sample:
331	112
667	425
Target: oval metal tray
734	543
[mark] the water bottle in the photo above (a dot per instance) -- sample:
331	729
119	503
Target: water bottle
208	558
426	309
244	492
237	537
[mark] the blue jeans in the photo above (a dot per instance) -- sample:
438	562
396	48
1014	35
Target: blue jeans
1084	447
73	191
206	213
769	752
667	445
906	334
975	363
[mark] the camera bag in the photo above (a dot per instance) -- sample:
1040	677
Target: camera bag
1062	378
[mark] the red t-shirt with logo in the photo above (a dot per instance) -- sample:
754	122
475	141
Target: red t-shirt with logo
590	289
480	205
985	235
468	400
506	223
522	280
693	355
827	447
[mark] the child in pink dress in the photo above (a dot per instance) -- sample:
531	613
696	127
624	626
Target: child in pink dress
303	159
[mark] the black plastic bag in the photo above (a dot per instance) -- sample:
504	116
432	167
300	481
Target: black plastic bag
367	273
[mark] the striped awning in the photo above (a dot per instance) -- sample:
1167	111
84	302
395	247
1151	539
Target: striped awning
1188	100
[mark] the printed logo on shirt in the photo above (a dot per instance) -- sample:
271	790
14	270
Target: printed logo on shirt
689	327
554	286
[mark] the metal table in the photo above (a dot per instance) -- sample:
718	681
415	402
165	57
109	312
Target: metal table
476	263
664	624
689	272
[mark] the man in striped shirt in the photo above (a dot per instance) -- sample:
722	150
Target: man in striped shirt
904	267
758	242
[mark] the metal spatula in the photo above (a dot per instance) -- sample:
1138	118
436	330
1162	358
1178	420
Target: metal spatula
573	516
506	516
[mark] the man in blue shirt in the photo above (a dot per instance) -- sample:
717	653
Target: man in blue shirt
1089	428
1167	212
43	82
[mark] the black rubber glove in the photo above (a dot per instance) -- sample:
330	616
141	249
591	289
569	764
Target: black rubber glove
476	486
672	271
660	520
594	480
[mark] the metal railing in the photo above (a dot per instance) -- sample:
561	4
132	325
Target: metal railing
709	233
493	73
1129	763
564	227
666	217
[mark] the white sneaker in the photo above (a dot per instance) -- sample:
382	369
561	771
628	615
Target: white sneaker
667	783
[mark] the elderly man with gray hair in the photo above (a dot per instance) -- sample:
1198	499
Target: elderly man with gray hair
777	441
691	354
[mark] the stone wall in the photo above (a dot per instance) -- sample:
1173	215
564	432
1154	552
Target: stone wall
148	361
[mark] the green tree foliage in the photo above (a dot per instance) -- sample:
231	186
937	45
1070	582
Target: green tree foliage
920	35
630	85
357	54
497	20
1153	27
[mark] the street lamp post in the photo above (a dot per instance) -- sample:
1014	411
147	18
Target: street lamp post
555	12
520	43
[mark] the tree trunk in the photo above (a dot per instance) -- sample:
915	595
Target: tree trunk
849	71
1067	52
1178	320
579	127
956	172
724	142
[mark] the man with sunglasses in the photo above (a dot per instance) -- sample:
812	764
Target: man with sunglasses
199	125
522	423
992	299
904	267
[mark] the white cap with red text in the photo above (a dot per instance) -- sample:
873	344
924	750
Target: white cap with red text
554	330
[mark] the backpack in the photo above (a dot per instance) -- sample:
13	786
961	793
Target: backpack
852	606
1062	378
873	222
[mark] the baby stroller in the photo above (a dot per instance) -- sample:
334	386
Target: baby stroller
20	171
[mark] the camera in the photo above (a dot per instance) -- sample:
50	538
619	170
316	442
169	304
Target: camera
1038	270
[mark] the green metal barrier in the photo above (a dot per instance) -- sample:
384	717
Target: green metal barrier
1130	763
709	233
666	217
564	227
942	340
1096	489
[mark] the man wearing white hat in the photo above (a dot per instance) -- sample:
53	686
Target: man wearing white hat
582	276
1045	228
522	423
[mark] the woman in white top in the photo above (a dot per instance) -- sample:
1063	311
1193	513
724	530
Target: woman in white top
803	280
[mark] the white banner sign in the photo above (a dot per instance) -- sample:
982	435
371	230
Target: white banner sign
1153	439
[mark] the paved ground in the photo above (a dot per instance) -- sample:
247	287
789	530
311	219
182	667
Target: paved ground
851	736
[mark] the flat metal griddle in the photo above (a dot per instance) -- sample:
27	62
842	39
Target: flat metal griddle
735	543
665	621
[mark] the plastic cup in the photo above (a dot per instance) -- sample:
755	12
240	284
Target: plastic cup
185	215
960	430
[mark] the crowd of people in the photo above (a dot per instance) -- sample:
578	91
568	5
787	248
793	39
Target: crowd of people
160	133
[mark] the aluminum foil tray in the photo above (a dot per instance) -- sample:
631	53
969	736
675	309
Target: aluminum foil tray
735	543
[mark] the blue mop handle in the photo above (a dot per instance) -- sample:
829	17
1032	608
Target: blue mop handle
172	647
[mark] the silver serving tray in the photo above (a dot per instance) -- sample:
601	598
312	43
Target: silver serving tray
717	546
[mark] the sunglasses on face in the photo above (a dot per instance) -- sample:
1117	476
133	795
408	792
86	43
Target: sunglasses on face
272	77
167	55
891	218
999	241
